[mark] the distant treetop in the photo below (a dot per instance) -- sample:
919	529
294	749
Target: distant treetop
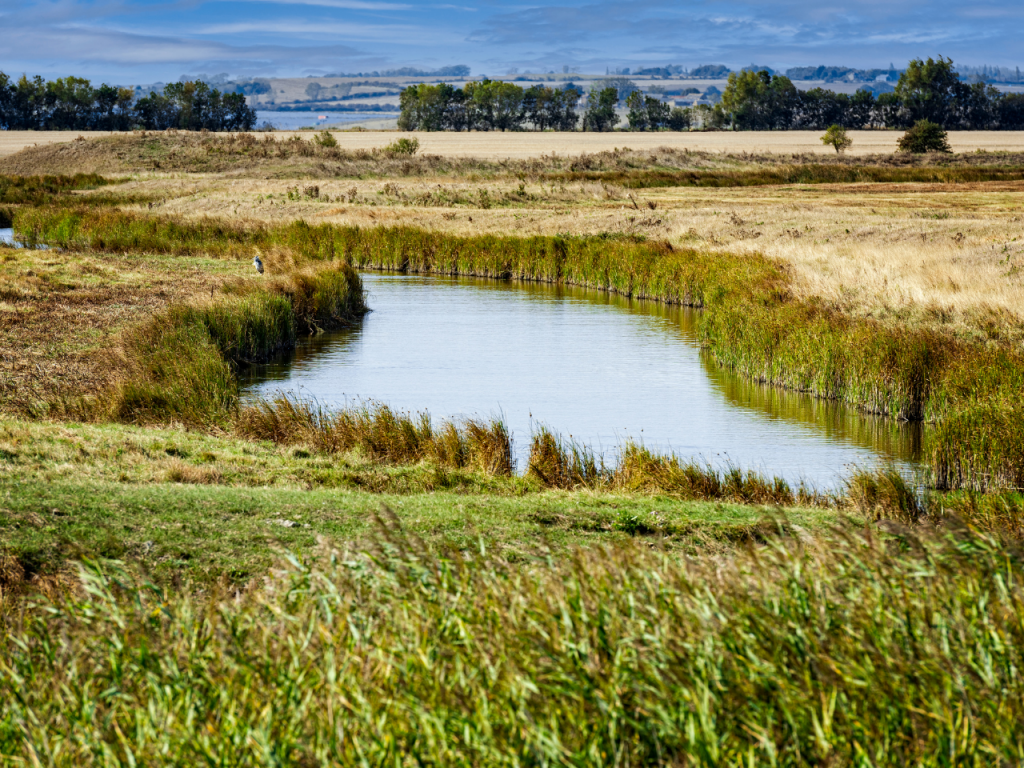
710	71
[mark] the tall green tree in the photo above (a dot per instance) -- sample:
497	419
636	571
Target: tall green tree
69	102
600	114
759	101
637	114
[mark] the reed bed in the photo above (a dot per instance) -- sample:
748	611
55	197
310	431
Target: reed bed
752	322
789	174
849	652
381	434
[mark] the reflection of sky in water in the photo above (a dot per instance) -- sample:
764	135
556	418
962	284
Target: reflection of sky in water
7	238
597	367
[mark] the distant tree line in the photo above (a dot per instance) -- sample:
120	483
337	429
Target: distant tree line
753	100
73	104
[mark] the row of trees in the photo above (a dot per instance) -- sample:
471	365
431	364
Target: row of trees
753	100
927	90
73	104
490	105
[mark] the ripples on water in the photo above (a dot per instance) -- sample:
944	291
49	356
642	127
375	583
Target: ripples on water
594	366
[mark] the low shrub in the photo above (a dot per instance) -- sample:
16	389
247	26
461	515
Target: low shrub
325	139
924	136
403	146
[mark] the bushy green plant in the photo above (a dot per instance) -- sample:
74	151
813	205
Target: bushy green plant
403	146
836	138
325	139
924	136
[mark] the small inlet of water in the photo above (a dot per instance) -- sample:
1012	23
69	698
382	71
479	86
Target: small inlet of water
7	238
598	367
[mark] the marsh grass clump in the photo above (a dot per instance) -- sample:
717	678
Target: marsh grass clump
641	470
381	434
885	494
559	463
1000	514
981	445
790	655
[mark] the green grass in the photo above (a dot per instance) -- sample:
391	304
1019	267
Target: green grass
854	652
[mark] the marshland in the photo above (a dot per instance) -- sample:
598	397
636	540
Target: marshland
649	454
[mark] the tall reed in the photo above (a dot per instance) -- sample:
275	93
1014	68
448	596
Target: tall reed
851	652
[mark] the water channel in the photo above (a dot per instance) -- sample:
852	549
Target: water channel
598	367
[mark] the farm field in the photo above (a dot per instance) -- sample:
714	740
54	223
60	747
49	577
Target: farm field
345	562
497	145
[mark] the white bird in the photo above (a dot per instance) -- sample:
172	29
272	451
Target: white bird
257	263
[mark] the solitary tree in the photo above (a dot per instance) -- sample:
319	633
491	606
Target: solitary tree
924	136
836	137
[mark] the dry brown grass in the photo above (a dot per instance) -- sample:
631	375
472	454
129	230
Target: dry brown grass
943	255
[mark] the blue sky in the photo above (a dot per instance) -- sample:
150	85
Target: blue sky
133	41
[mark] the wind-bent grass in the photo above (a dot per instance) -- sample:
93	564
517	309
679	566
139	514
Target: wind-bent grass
851	652
751	321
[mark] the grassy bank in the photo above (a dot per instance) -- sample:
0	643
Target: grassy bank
850	652
190	504
180	364
751	321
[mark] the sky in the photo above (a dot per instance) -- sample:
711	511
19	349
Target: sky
144	41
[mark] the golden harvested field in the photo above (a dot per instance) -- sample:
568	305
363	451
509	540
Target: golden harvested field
526	145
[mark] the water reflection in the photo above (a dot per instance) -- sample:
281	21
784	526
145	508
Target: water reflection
599	367
7	238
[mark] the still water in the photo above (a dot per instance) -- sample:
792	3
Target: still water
600	368
289	121
7	238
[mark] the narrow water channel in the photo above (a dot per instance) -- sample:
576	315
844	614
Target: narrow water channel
600	368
